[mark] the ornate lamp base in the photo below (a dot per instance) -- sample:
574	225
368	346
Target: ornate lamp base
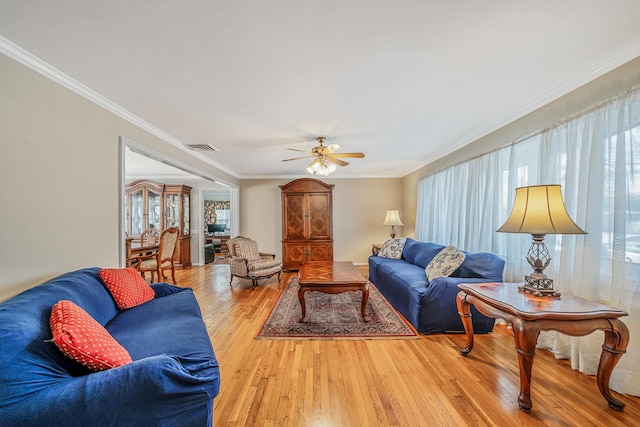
539	286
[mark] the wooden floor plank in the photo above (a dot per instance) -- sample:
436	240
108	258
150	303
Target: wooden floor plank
379	382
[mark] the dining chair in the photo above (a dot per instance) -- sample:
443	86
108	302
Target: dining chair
150	237
163	259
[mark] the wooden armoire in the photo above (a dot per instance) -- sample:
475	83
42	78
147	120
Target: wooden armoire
307	225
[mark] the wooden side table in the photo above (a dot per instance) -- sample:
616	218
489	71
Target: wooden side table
529	315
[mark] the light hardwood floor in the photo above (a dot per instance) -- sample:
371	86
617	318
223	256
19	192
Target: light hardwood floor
421	382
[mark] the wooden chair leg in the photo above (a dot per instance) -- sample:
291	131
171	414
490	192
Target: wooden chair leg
173	274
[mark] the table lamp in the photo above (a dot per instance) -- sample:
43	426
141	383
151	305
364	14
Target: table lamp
392	219
539	210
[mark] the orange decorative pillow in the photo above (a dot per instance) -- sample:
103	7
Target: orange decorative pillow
127	287
80	337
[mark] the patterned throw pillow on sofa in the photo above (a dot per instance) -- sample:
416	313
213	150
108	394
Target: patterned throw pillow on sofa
445	263
81	338
392	248
127	287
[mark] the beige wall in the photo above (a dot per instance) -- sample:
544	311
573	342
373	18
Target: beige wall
359	206
59	178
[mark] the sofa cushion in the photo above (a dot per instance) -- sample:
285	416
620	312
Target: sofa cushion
127	286
420	253
445	263
81	338
181	332
392	248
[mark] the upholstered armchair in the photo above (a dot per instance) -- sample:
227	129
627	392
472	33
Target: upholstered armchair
247	262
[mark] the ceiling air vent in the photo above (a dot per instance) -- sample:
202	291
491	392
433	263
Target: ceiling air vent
202	147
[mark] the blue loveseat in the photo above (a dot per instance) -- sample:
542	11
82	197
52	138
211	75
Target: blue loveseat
172	380
431	306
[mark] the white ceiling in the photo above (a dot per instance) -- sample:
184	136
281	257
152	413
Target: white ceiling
404	81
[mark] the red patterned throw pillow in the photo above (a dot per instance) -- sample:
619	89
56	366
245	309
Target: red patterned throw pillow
80	337
126	286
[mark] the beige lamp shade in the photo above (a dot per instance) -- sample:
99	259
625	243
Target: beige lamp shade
539	209
392	218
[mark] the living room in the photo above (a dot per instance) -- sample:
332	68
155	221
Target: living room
62	169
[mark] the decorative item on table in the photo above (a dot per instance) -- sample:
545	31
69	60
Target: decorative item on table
392	218
539	210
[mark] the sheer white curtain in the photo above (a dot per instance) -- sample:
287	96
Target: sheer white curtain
595	156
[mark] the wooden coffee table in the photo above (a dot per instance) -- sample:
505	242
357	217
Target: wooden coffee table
529	315
331	277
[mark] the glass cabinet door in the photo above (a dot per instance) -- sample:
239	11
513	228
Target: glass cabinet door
185	213
171	210
137	213
154	210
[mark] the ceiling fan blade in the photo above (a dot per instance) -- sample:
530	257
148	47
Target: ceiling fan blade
330	148
352	155
336	161
295	149
297	158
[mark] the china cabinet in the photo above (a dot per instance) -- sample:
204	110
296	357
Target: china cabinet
307	227
150	204
143	207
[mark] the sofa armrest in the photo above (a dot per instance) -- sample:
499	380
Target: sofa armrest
440	300
159	390
238	266
448	286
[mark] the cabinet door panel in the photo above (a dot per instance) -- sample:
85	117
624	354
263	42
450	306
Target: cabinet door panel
293	255
137	214
172	210
320	251
294	216
154	209
319	216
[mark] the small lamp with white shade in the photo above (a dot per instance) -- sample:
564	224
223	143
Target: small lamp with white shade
392	218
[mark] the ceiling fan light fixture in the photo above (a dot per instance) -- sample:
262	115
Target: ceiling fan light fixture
321	167
326	160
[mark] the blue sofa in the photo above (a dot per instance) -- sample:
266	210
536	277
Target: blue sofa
172	380
431	306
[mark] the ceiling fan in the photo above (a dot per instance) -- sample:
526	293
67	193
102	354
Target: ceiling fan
325	157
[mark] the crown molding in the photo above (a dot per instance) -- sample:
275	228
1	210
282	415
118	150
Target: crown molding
31	61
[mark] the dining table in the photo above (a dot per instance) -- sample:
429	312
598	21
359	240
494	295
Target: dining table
135	251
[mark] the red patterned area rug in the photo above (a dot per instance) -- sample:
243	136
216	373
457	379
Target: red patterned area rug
334	317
